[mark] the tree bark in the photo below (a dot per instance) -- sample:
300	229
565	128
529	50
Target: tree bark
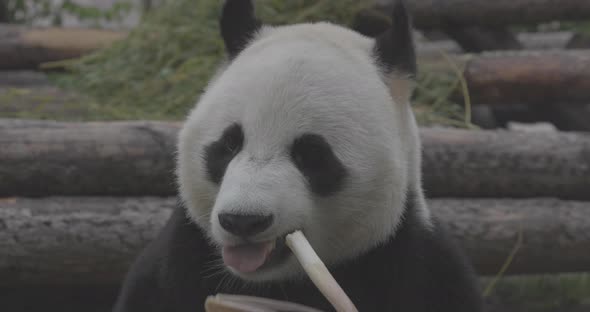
428	14
506	78
463	163
40	158
428	48
27	48
92	241
80	240
555	234
44	158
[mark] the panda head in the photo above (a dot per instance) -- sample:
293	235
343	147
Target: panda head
307	127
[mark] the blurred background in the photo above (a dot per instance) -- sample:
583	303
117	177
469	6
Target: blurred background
93	92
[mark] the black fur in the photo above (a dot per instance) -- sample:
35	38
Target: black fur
220	153
417	270
395	48
314	157
371	23
238	24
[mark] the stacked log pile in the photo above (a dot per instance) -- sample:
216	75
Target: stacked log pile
549	85
81	199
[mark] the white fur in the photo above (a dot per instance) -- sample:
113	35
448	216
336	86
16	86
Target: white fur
317	78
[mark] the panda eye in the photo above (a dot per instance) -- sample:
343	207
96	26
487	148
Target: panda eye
313	156
232	144
220	153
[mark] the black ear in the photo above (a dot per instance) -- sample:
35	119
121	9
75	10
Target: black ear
371	23
395	47
238	25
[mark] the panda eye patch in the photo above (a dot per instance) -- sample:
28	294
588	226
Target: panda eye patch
314	157
219	154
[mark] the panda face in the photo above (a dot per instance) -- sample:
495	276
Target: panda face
298	132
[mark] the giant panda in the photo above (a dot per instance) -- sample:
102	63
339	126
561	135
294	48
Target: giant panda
305	127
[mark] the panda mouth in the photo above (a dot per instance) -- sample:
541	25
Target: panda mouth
252	257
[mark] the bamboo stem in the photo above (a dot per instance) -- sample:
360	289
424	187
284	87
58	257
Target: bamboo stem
318	272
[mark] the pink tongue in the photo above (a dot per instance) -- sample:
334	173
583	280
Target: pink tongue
246	258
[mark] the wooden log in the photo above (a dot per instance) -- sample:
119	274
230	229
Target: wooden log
460	163
431	49
44	158
506	78
555	233
26	48
428	14
85	240
495	79
529	41
512	78
40	158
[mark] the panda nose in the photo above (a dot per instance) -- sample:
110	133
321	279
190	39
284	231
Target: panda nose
244	225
